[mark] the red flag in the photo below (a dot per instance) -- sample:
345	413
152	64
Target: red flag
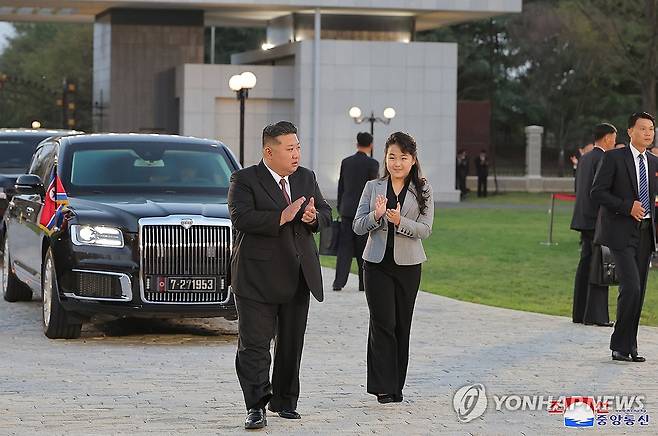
54	202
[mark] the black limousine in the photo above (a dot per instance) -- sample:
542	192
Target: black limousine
122	225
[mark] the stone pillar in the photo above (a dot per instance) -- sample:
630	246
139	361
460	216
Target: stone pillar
533	158
135	54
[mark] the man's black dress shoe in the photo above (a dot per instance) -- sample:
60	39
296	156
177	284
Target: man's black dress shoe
287	414
636	358
255	419
616	355
603	324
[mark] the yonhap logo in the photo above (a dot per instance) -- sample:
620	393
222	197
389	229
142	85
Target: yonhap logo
470	402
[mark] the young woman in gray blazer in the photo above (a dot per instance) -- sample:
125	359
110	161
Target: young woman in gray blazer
397	212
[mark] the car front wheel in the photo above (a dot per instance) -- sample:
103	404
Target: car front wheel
12	289
56	322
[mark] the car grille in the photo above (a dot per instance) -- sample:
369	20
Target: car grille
173	251
93	285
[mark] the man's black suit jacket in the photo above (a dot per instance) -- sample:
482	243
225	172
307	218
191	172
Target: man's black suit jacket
615	188
586	210
355	171
267	257
481	168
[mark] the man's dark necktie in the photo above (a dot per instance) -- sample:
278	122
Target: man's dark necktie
644	186
282	182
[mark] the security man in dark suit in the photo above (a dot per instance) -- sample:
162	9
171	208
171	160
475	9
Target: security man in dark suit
275	207
590	302
625	186
355	171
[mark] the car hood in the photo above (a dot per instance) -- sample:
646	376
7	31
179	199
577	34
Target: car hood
124	211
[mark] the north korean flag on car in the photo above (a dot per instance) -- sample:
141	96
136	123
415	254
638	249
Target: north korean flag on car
53	204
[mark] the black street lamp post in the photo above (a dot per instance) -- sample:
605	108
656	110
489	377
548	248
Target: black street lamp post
241	84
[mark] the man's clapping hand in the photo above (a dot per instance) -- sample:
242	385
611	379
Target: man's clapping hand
309	212
288	214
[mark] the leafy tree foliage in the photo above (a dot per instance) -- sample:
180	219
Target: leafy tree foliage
36	61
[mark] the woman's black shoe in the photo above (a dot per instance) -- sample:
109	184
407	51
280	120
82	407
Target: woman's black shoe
386	398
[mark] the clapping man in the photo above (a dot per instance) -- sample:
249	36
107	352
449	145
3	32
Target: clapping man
275	207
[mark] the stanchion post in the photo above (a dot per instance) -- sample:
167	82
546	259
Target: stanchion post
551	212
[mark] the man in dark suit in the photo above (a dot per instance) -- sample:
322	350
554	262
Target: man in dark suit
625	186
461	172
275	207
355	171
590	302
482	170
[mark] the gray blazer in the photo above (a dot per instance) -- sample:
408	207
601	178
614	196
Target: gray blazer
414	226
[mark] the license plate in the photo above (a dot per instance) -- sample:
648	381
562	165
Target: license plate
197	284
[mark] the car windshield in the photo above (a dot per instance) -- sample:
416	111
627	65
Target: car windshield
16	152
146	167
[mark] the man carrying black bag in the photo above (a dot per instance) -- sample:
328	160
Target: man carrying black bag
590	301
625	186
355	172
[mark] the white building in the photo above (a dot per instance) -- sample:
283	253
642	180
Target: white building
148	65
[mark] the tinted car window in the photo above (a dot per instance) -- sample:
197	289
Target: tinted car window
16	152
42	162
144	167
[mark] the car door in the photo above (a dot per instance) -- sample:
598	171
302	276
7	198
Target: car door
26	234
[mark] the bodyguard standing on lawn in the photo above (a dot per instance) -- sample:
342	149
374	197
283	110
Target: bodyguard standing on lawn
355	171
396	212
590	301
625	186
275	207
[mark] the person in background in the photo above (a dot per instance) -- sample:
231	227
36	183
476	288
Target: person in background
590	302
482	170
355	171
462	172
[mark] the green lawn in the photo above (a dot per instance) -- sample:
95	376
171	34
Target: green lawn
493	256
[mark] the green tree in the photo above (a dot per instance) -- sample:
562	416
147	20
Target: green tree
37	60
624	37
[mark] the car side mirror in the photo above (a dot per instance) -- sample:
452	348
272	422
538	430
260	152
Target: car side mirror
29	184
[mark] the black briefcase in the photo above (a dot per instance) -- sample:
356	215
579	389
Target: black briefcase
603	270
329	238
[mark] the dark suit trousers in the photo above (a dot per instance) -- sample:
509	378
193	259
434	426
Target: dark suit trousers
632	266
258	324
590	302
349	245
391	292
482	186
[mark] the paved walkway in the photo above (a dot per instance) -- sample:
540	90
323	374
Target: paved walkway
133	377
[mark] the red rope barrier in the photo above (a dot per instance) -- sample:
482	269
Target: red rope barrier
564	196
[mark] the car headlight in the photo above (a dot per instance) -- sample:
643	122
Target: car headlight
100	236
